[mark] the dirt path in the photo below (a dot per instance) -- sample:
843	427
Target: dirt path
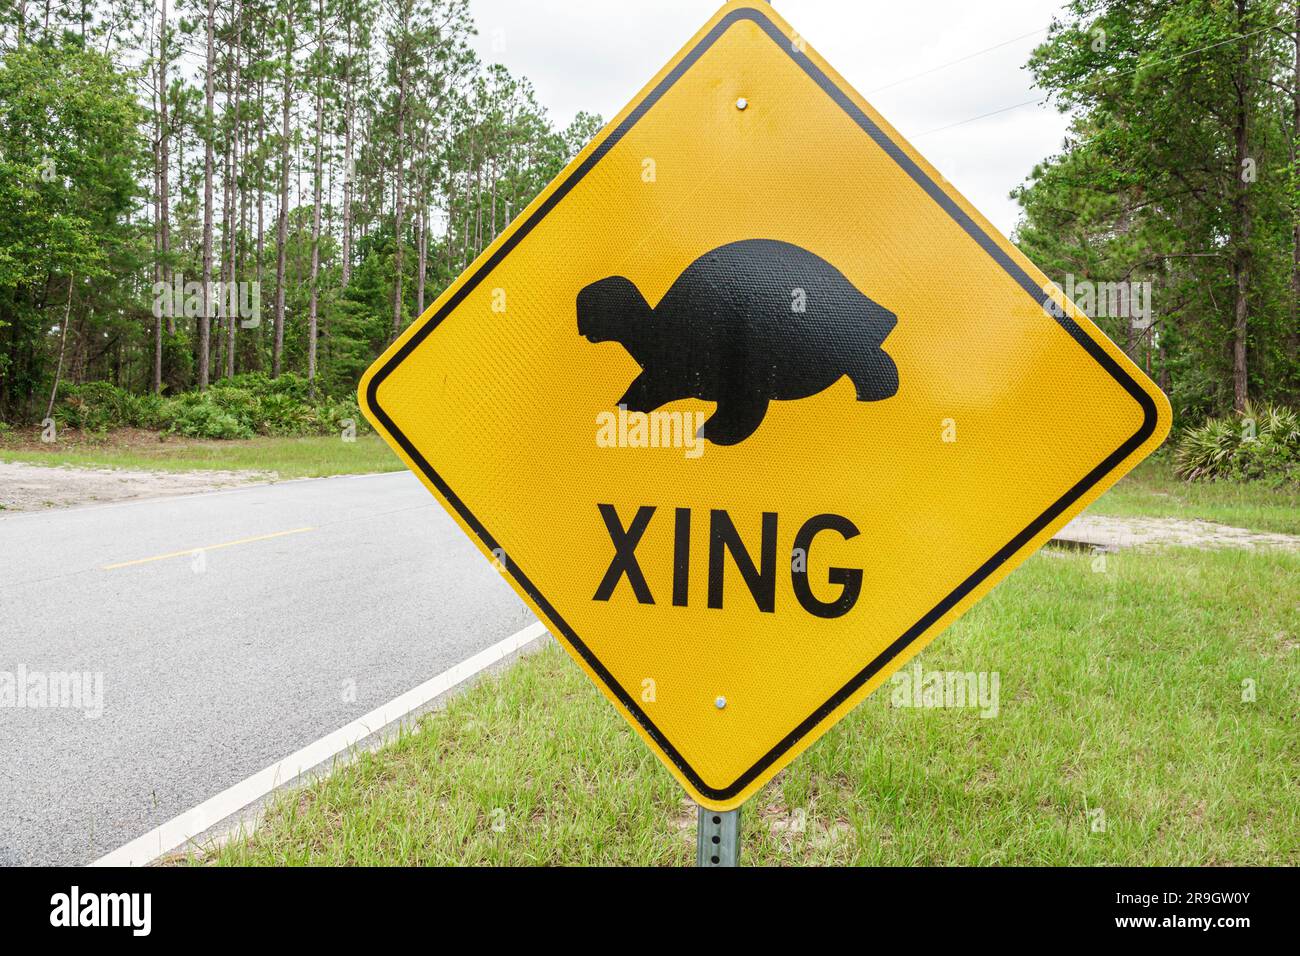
25	487
1112	533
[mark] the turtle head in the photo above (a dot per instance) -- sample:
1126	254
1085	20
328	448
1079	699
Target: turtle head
611	310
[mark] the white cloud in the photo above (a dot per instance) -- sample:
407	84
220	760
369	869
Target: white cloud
596	54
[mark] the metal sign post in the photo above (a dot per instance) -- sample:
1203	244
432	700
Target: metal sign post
717	841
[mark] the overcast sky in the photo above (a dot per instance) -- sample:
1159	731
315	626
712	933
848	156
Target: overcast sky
596	54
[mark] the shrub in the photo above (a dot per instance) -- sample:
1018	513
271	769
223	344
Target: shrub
151	412
240	407
330	417
261	384
99	406
206	419
240	402
1259	444
279	413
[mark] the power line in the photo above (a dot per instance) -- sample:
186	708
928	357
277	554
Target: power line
972	119
963	59
1200	49
1016	106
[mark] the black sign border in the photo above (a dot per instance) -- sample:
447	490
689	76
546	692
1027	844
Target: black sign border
1150	415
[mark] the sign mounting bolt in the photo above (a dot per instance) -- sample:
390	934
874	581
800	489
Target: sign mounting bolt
741	103
721	702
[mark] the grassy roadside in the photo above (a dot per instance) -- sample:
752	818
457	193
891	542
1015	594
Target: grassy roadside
302	457
1120	692
1152	490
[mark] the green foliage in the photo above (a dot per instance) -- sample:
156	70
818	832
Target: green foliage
240	407
1261	444
206	419
284	415
70	154
82	165
100	406
1177	170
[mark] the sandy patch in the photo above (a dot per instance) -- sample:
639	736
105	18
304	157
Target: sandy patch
25	487
1112	533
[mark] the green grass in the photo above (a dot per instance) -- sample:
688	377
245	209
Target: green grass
312	457
1152	490
1120	691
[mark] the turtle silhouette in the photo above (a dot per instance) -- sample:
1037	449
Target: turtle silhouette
748	323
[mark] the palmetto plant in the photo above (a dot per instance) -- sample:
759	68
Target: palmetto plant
1262	442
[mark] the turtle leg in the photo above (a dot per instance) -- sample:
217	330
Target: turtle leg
875	376
734	421
644	394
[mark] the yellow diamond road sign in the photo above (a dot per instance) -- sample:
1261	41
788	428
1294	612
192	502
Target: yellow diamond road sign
750	404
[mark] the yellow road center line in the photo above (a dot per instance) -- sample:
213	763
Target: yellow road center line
211	547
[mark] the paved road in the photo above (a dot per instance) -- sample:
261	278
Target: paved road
215	666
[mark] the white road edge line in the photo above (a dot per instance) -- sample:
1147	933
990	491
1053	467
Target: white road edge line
180	830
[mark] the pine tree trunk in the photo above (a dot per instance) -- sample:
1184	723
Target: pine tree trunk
397	207
166	167
282	227
316	200
478	208
205	324
63	344
346	248
260	253
1293	338
227	210
158	175
232	320
422	242
1241	260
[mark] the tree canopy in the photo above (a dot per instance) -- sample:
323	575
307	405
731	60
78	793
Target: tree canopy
1180	170
307	174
